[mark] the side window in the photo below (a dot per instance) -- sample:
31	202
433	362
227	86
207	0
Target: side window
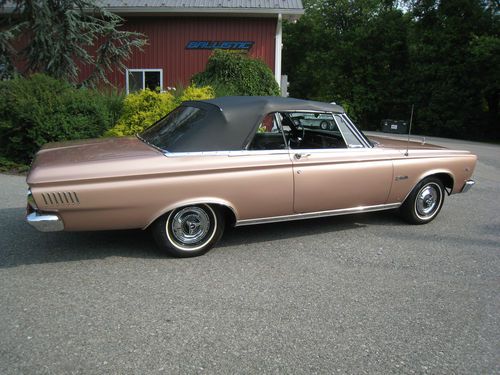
311	130
351	140
268	136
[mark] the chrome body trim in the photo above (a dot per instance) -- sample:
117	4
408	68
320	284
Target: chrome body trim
313	215
45	222
468	185
31	200
226	153
263	152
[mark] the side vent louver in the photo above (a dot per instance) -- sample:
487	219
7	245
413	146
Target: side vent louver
60	198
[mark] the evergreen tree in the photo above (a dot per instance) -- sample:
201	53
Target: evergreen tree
55	37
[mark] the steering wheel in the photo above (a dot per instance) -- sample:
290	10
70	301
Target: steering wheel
296	137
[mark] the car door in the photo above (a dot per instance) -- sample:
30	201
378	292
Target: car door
262	182
339	175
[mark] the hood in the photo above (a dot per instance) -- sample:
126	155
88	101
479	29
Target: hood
92	158
402	144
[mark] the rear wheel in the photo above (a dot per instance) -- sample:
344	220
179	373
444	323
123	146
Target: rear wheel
189	231
424	202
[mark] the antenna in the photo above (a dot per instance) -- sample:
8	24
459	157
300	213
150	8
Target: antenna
409	131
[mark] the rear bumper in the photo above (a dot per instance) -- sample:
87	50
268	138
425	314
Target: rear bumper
467	186
45	222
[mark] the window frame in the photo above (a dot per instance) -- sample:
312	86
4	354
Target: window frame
349	124
277	120
160	70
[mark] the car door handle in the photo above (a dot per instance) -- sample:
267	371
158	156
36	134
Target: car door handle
299	156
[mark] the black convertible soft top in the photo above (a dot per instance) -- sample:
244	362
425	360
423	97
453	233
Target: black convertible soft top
239	117
230	122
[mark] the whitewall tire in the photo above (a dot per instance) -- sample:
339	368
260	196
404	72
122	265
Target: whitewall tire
189	231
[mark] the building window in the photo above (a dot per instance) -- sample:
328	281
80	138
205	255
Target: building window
140	79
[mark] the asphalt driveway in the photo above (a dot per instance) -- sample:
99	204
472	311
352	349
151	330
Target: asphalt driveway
353	294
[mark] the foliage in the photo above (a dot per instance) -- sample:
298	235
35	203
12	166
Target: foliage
234	73
143	108
196	93
53	37
8	166
380	58
41	109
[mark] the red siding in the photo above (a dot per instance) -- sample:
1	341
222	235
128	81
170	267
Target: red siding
168	37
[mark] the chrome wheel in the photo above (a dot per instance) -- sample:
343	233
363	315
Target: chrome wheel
428	201
191	228
190	225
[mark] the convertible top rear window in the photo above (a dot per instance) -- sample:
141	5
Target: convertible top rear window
170	130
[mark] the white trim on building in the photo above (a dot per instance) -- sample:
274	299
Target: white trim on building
278	45
127	87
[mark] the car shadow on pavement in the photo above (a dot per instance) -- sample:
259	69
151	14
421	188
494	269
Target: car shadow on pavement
298	228
21	244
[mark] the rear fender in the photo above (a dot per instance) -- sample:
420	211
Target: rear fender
193	201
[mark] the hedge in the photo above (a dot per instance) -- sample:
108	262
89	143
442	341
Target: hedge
40	109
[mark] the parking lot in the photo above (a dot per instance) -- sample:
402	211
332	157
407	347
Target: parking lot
353	294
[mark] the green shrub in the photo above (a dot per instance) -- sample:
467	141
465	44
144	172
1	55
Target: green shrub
196	93
234	73
143	108
8	166
40	109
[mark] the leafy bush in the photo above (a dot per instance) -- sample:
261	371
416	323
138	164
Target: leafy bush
196	93
234	73
145	107
141	109
40	109
8	166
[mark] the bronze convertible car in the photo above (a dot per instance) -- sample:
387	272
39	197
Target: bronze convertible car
237	161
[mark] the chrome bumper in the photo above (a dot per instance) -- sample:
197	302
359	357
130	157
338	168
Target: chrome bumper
45	222
468	185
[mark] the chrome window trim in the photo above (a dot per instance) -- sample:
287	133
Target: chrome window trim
263	152
227	153
312	215
353	127
327	150
348	123
277	117
310	111
280	129
341	132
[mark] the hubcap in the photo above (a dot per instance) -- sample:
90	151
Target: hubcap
427	200
190	225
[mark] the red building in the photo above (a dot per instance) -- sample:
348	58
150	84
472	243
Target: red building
183	33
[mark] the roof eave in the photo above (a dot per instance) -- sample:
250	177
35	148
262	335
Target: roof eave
131	11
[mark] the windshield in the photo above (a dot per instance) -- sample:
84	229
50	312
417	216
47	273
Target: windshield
171	129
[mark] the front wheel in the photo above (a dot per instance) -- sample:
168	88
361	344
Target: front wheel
424	202
189	231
